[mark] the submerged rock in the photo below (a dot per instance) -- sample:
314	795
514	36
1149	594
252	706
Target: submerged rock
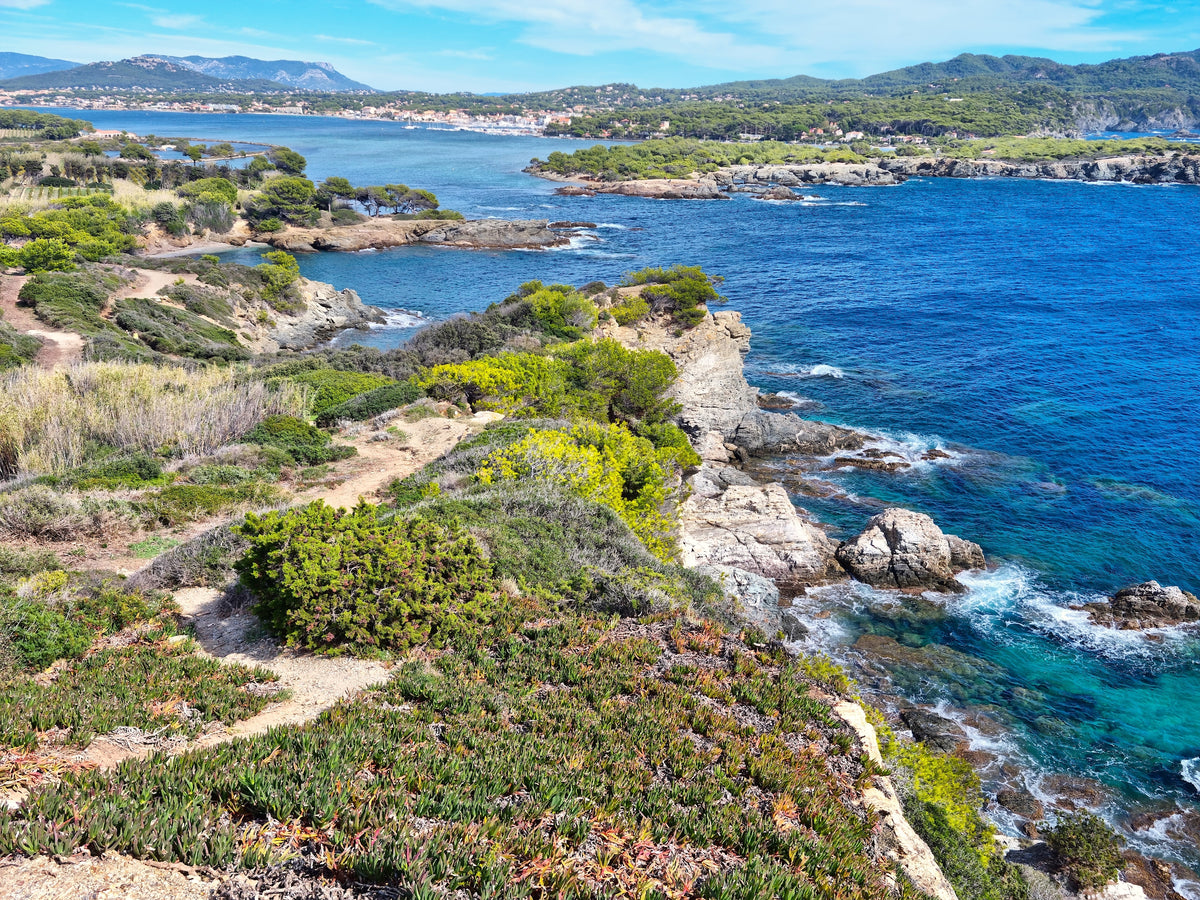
904	549
934	731
1146	605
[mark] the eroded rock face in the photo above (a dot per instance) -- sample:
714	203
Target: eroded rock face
904	549
326	312
1146	605
754	528
755	598
714	394
383	233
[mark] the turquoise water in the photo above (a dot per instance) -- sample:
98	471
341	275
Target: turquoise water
1044	334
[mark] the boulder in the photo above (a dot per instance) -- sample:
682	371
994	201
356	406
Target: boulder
326	311
936	732
755	599
1146	605
779	193
756	529
904	549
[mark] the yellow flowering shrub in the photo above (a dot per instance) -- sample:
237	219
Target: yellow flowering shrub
604	463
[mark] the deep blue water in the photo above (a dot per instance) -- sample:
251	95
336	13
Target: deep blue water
1045	334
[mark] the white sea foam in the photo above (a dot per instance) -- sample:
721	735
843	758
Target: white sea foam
823	371
398	319
612	225
1190	770
1014	593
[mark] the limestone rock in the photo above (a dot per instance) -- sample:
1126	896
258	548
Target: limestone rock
904	549
1146	605
900	841
384	233
755	598
757	529
326	312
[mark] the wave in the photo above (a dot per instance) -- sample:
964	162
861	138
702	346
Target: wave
822	371
406	318
612	225
1190	770
1014	593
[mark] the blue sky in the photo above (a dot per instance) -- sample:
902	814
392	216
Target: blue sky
514	45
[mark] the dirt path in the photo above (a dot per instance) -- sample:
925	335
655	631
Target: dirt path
235	635
57	346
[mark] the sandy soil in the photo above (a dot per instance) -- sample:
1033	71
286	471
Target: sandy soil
228	633
57	346
86	878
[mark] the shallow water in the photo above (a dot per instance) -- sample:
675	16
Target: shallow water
1045	334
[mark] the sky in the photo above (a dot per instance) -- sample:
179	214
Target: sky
518	45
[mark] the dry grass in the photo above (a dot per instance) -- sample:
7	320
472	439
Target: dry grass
48	417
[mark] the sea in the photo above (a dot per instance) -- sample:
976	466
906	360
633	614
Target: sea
1045	336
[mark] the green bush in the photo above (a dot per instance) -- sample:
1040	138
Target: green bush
178	503
304	444
971	877
16	349
223	188
336	580
630	310
1088	850
370	404
15	563
38	634
682	291
563	313
121	470
177	332
332	387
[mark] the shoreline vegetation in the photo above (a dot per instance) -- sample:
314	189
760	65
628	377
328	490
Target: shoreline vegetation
532	529
684	169
567	708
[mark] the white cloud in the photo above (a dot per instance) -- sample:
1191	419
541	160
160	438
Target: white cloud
586	27
176	22
344	40
22	4
864	36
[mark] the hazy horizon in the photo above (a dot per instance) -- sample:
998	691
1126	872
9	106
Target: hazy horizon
500	45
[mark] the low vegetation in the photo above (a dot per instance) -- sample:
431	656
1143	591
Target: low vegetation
1087	848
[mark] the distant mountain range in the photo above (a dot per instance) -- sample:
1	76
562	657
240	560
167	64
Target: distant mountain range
14	65
175	74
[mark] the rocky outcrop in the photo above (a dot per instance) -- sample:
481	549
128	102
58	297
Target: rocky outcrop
775	182
1146	605
327	311
383	234
937	732
651	188
714	394
906	550
754	528
900	841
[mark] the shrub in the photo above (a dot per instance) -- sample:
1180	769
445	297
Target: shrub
279	275
370	404
177	332
631	310
54	415
951	784
972	878
121	470
331	387
303	443
682	291
204	561
178	503
16	349
222	188
37	634
1088	850
334	581
609	465
619	385
39	511
269	226
563	313
23	563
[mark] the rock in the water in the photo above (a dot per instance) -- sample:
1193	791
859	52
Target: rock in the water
779	193
1023	803
904	549
1146	605
325	312
933	730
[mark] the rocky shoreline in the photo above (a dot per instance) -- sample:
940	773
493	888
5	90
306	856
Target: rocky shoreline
775	181
380	234
768	554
